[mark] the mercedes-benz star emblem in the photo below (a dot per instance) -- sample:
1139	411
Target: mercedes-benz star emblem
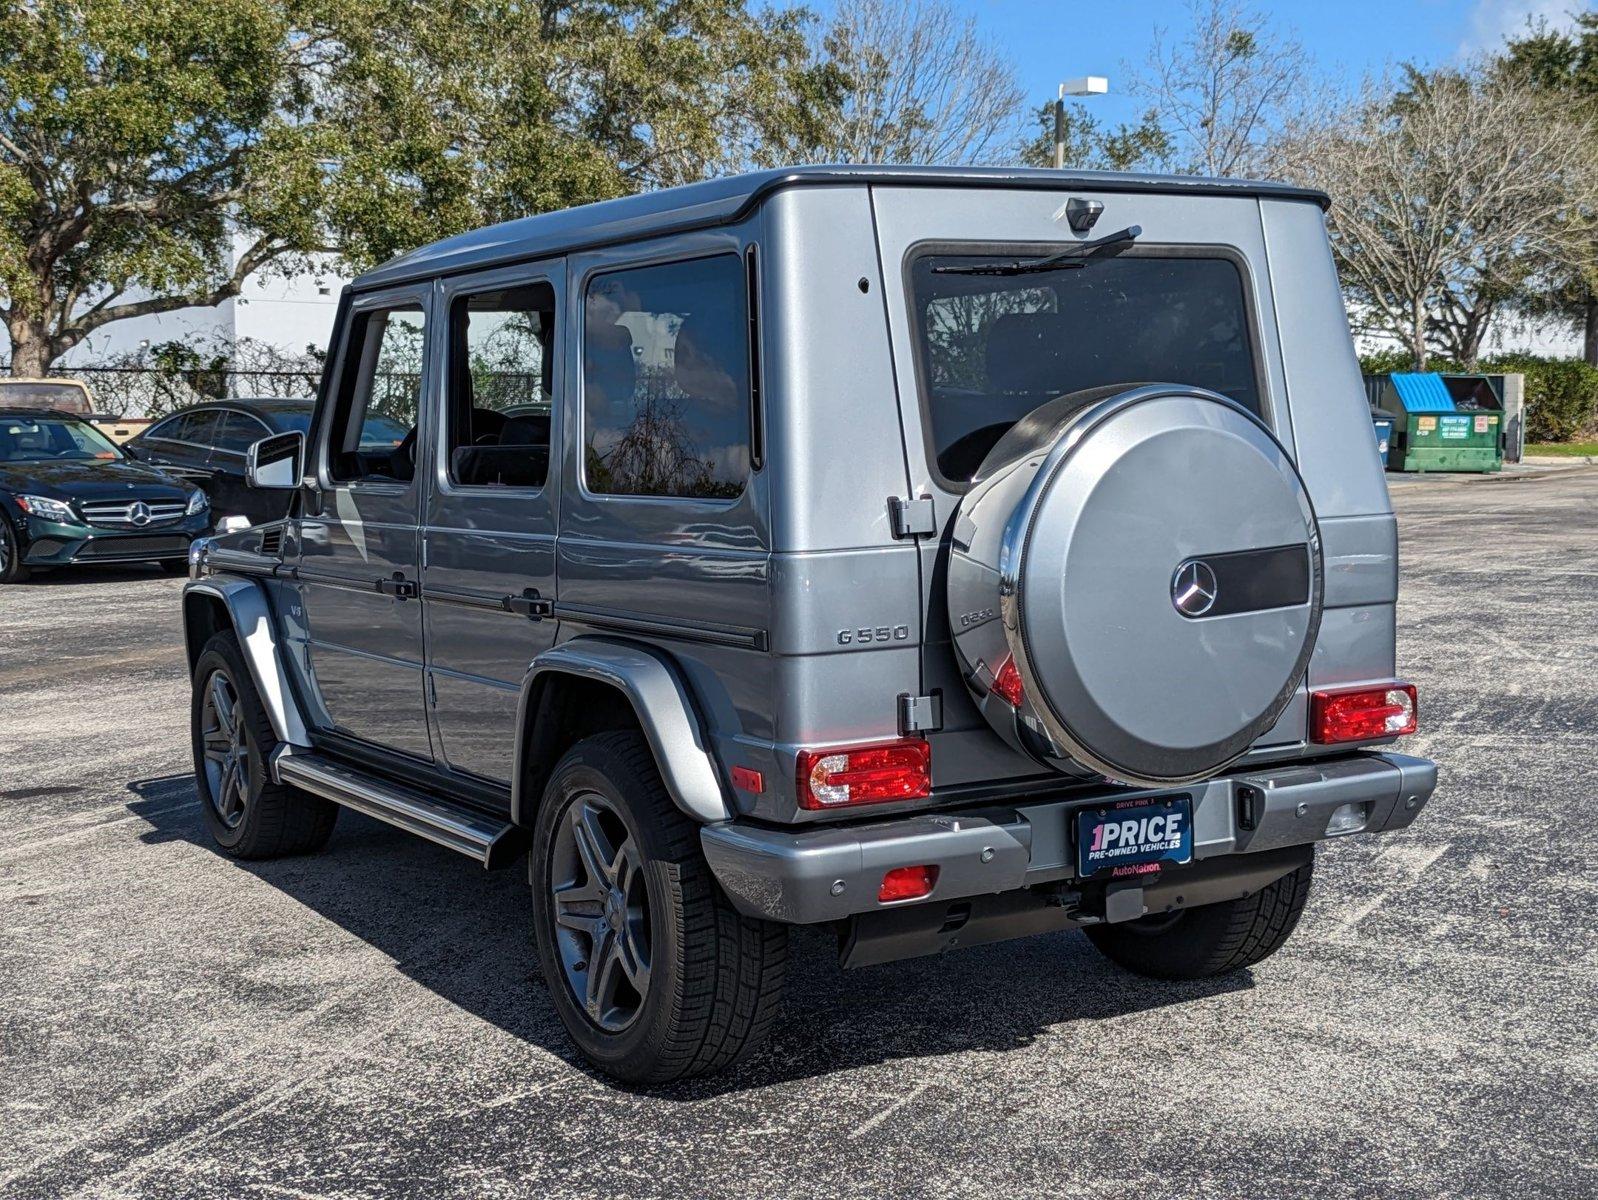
139	513
1193	588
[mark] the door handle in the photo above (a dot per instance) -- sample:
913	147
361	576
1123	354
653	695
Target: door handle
399	586
531	605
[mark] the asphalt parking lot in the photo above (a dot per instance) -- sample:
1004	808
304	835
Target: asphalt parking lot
369	1022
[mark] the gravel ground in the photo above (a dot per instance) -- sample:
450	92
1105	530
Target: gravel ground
367	1022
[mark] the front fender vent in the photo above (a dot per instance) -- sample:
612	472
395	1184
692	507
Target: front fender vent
272	542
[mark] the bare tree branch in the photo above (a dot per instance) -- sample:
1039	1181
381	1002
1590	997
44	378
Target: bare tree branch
1221	91
923	86
1442	194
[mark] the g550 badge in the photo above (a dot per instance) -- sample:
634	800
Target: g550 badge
879	633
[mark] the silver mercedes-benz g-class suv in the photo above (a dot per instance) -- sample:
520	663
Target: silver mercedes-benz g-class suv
937	556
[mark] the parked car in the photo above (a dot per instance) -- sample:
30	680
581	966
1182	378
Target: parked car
206	444
69	495
57	395
901	554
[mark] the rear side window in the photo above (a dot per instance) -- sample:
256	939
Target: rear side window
201	428
995	347
239	432
666	398
502	360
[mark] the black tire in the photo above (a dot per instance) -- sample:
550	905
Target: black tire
255	817
712	978
1216	939
12	569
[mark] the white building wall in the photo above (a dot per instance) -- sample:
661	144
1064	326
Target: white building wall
290	314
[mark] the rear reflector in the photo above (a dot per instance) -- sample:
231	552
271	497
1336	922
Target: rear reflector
747	779
1007	683
1361	714
865	774
907	883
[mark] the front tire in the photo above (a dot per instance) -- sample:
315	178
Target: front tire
248	814
12	569
653	972
1215	939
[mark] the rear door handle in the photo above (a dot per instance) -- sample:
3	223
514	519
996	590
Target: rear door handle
531	605
399	586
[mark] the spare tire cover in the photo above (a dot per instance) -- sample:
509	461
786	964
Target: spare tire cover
1151	562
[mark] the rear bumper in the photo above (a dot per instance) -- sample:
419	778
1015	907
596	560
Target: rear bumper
811	875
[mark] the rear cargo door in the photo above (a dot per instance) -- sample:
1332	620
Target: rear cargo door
974	352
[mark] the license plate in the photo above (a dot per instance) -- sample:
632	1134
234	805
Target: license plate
1137	834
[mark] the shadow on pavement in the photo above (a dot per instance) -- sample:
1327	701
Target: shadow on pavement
49	577
463	933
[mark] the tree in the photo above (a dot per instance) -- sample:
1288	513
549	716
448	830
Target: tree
1221	92
919	84
138	143
156	153
1089	144
1564	66
1443	196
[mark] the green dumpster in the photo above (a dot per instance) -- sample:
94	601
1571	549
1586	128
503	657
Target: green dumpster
1441	423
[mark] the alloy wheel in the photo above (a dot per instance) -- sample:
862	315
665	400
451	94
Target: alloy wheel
227	749
601	912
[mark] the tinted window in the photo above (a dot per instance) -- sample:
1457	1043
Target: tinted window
177	429
292	422
239	432
202	428
501	370
993	348
165	429
666	405
27	440
380	391
62	397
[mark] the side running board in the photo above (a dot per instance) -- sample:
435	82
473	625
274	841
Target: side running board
493	842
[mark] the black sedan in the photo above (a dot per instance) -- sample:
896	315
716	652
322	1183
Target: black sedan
69	495
207	445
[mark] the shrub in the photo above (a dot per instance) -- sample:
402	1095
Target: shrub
1561	394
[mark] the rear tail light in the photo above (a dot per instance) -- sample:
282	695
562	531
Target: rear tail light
907	883
865	774
1361	714
1007	683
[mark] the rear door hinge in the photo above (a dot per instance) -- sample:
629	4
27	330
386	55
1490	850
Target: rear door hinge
920	714
912	518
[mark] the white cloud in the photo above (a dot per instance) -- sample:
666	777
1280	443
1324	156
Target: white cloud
1492	22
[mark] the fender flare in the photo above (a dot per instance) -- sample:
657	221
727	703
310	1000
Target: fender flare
665	711
250	614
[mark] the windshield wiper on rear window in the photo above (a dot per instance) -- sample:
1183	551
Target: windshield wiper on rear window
1065	260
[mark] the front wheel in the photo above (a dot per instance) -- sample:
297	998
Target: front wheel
249	815
1215	939
653	972
12	569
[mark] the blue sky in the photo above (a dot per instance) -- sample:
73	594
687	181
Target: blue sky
1050	40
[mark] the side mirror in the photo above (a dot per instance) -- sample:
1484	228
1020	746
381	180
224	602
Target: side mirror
276	463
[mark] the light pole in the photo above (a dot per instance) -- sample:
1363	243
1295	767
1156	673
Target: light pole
1087	85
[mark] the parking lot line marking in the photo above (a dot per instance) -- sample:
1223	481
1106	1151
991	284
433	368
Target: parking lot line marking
872	1122
1412	861
27	849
